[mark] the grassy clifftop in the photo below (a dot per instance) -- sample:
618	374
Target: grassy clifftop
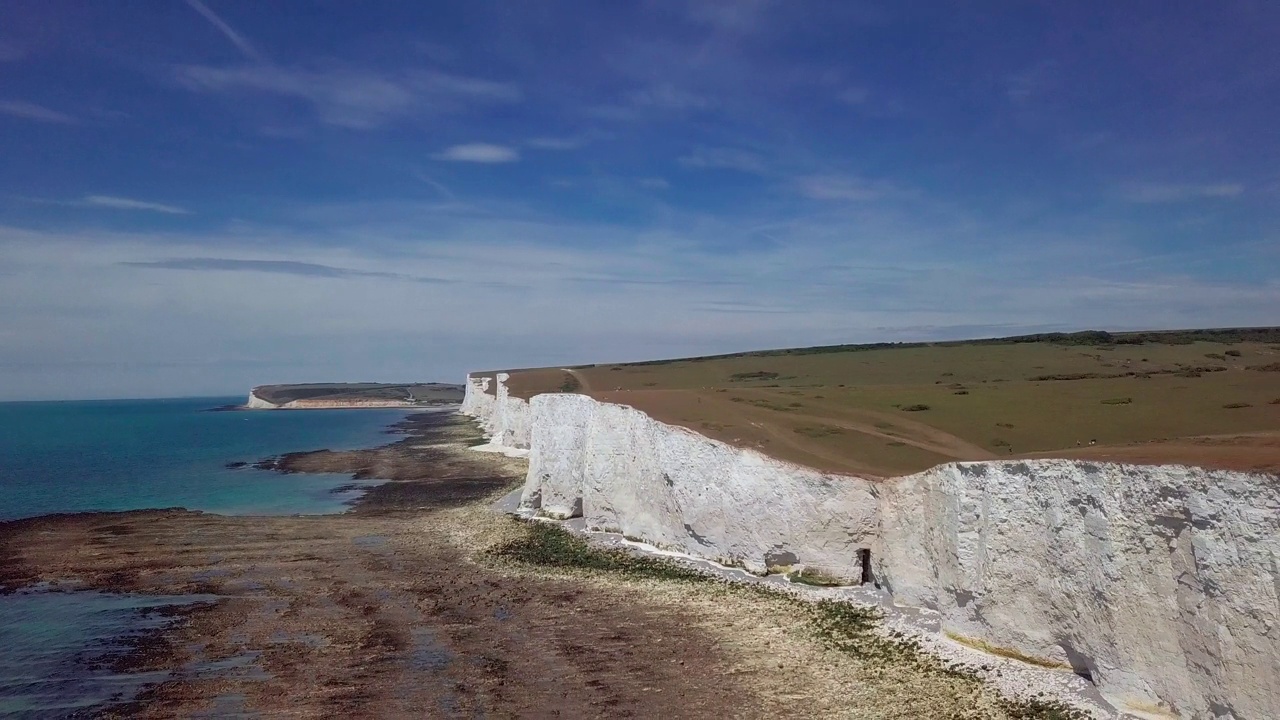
1197	397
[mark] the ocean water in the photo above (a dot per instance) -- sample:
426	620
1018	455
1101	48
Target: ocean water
131	454
56	647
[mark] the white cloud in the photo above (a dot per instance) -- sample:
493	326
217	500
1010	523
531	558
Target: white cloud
31	111
725	159
353	98
557	143
120	203
223	27
665	96
104	312
1035	81
847	188
1171	192
654	183
479	153
853	95
741	16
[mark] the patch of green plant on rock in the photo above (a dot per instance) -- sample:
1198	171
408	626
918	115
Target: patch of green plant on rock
547	545
1117	401
810	576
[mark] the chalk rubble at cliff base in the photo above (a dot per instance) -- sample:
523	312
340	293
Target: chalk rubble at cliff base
1160	584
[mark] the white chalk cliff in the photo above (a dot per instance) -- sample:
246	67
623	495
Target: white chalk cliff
257	403
1160	583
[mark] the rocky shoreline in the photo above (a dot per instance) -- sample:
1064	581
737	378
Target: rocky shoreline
375	612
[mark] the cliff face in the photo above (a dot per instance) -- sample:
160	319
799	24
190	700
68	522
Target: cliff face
621	469
256	403
1160	583
504	418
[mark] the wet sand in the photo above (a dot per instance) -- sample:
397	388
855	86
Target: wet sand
378	612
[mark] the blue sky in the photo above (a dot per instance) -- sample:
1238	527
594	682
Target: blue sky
201	195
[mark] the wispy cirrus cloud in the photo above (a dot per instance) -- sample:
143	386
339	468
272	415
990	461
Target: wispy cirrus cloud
122	203
242	44
479	153
668	96
847	188
39	113
1029	83
724	158
1145	192
572	142
278	267
654	183
353	98
655	100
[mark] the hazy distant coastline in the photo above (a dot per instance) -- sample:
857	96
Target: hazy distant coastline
314	396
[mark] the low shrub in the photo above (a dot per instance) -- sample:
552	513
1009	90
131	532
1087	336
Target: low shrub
818	431
1237	405
1066	376
1215	356
757	375
1270	367
1232	353
915	408
1117	401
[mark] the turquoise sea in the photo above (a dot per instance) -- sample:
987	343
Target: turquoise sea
56	457
130	454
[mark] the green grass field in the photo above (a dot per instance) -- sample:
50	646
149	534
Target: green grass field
1198	397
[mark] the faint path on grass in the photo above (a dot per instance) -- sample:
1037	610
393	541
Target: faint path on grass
584	385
